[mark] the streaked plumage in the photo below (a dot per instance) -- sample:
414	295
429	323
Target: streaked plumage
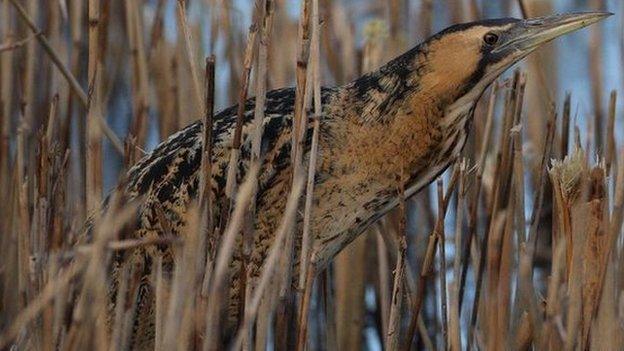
403	123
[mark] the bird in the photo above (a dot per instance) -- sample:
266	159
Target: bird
410	117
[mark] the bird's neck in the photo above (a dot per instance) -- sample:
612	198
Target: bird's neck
418	81
399	119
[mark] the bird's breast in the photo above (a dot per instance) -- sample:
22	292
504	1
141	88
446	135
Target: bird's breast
369	163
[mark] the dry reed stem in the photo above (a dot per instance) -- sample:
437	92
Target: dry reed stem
526	298
93	159
491	261
523	8
261	77
384	281
394	318
610	151
117	335
206	200
303	57
261	88
34	308
177	324
454	328
565	127
513	104
597	81
161	303
299	129
615	227
440	232
127	244
92	301
519	319
306	240
190	54
38	174
134	26
473	208
539	193
496	339
548	337
270	265
71	80
224	256
15	44
427	17
265	26
428	259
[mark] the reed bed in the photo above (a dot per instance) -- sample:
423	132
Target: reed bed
517	246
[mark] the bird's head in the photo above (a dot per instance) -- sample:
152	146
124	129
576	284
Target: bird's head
466	58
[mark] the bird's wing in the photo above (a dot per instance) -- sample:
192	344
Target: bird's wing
169	174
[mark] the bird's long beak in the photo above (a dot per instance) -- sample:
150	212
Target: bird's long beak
531	33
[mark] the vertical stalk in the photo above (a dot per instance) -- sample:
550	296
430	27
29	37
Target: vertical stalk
93	190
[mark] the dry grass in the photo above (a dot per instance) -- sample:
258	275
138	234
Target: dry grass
521	249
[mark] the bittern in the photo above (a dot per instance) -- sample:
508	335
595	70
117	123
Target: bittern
398	127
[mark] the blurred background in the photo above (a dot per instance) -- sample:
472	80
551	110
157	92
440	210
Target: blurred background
147	92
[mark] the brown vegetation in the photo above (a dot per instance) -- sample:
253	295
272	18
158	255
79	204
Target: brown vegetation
479	270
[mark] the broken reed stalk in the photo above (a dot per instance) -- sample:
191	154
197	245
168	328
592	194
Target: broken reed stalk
230	187
565	127
206	200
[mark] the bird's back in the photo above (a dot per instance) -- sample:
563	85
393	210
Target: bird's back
167	183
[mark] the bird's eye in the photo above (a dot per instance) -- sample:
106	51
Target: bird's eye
490	38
